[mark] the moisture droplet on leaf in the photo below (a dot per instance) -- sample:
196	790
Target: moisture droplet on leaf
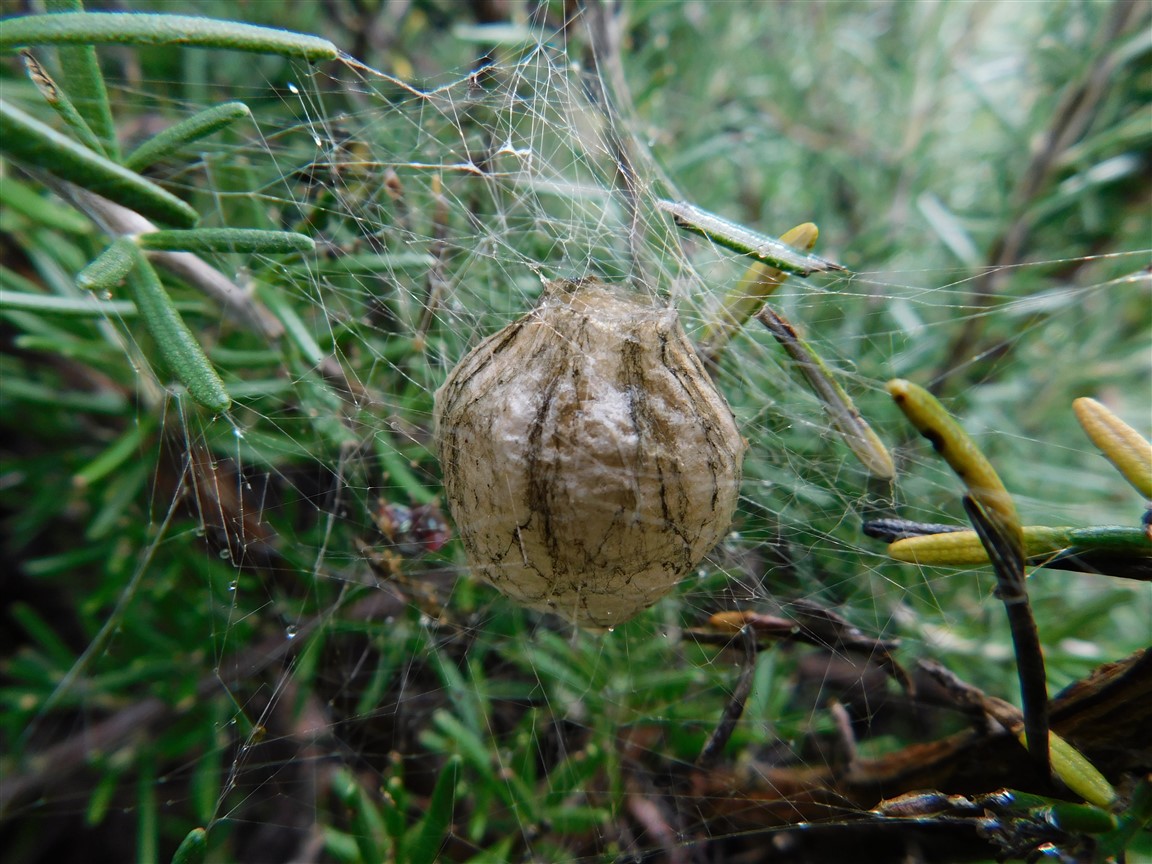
589	461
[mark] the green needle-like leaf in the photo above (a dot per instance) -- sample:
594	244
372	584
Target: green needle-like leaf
180	135
76	307
743	301
32	204
81	77
109	268
179	348
227	240
761	247
58	98
426	845
123	28
193	848
26	139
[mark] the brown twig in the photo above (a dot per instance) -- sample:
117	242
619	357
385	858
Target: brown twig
720	736
811	624
1106	716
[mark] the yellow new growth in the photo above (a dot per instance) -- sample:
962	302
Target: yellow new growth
1121	445
1076	772
963	548
961	454
758	283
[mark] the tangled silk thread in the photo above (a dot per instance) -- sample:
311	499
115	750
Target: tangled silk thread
589	461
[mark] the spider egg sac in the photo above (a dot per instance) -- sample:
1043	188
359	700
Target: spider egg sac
589	461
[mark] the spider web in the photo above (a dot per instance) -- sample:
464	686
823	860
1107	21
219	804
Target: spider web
346	653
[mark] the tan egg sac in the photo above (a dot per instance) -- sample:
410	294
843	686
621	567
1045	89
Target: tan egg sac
588	459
